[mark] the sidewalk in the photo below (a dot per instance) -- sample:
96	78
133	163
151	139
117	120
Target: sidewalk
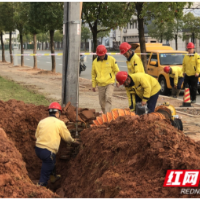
50	85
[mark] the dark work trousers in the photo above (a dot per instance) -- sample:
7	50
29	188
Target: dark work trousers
192	82
180	81
151	103
48	163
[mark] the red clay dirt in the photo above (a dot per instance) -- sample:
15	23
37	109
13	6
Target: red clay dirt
129	158
20	120
14	180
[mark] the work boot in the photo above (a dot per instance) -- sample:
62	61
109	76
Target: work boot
178	92
193	101
174	92
53	178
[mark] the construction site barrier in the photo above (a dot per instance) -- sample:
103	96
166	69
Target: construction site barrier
60	54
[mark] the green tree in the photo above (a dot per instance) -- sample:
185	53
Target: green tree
2	28
161	11
34	28
8	22
20	17
161	31
49	18
43	37
106	14
85	34
58	37
102	34
191	27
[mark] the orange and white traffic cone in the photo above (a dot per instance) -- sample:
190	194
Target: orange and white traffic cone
186	98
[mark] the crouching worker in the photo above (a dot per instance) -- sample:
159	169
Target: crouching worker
48	135
140	87
176	79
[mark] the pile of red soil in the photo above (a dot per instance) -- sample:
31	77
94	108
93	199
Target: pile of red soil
14	180
129	158
19	121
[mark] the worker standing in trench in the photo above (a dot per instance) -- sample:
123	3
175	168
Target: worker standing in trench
140	87
134	63
104	68
176	79
48	135
191	70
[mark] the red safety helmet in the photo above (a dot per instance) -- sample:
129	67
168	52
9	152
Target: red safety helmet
167	69
190	45
124	47
101	50
121	77
55	106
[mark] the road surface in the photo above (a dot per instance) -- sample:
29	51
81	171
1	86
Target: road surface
44	62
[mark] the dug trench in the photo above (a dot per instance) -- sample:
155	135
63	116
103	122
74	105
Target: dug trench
128	157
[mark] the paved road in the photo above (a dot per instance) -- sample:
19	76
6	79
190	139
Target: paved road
44	62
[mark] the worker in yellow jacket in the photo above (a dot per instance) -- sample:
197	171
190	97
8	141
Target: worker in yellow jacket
140	87
134	63
48	135
176	79
104	68
191	70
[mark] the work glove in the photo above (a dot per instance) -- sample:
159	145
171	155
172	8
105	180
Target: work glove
76	142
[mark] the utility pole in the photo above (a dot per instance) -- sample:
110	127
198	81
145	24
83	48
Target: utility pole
71	52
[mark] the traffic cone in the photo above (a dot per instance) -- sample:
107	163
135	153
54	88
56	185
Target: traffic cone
186	98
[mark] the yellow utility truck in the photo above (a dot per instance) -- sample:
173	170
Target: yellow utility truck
159	56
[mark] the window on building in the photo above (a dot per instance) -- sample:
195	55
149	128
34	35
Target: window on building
132	25
135	24
127	25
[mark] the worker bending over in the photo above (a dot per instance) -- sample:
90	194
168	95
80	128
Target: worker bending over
134	63
48	135
191	69
176	79
104	68
140	87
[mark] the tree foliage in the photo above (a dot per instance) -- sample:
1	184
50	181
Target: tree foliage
161	31
49	18
191	27
85	33
58	36
161	11
106	14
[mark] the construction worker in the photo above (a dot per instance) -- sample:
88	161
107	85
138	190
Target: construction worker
176	79
191	69
104	68
48	135
134	63
140	87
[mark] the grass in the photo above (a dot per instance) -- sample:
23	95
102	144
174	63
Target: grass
11	90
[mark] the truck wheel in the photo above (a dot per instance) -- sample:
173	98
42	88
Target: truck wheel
164	90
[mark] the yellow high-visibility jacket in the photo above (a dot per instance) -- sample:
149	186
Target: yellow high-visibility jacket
176	74
49	133
103	72
134	64
191	64
144	86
